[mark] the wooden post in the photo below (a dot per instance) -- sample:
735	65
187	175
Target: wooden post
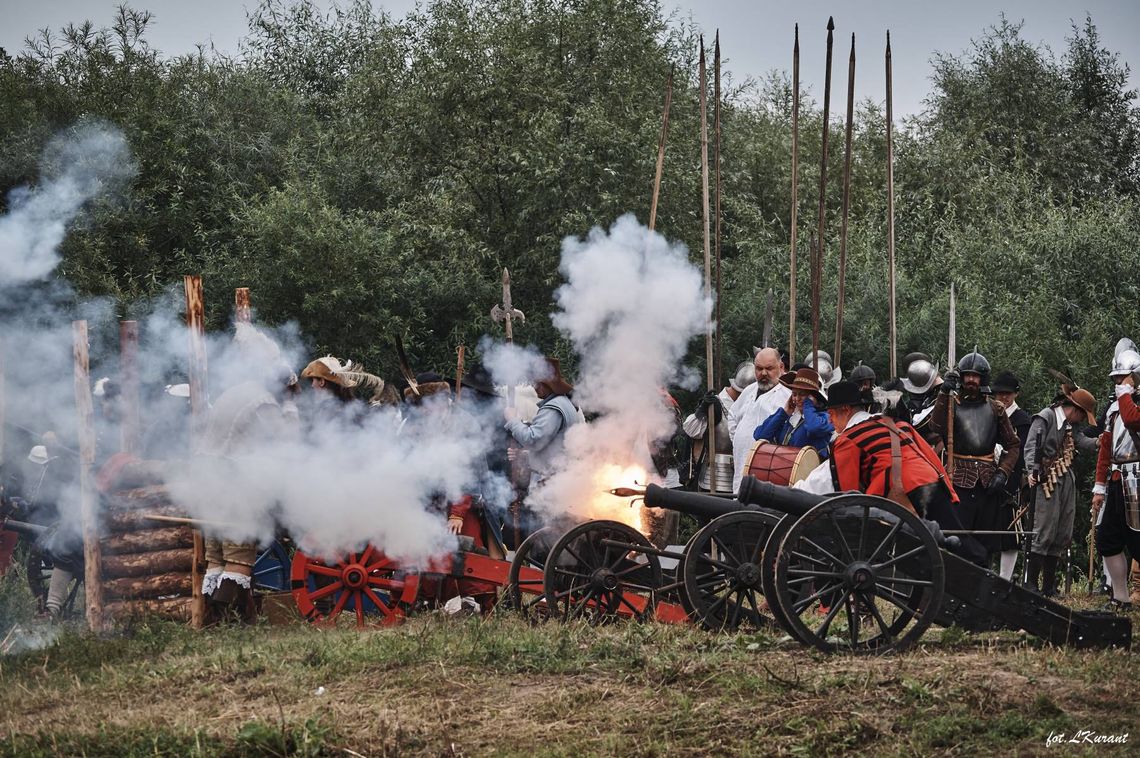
718	353
88	498
129	378
243	314
196	327
838	354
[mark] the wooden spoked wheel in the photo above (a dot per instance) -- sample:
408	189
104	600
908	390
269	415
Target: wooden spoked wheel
525	591
598	571
860	574
367	585
722	571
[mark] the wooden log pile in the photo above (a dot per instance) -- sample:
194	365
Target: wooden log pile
146	566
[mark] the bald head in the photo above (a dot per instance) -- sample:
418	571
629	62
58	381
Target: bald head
769	366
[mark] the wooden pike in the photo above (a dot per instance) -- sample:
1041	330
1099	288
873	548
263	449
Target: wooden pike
243	312
199	407
661	151
820	240
795	197
459	353
508	313
185	520
838	354
708	262
130	433
718	353
891	218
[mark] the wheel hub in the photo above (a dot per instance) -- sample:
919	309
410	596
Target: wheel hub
354	576
604	579
859	576
748	574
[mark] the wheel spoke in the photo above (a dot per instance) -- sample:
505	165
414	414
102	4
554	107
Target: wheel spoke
905	581
358	601
830	557
340	603
916	551
815	574
727	551
883	626
581	605
385	583
892	598
568	572
863	527
812	559
852	621
623	601
886	540
805	602
832	612
630	570
758	553
566	593
326	590
842	537
323	570
714	562
368	551
755	605
734	620
378	602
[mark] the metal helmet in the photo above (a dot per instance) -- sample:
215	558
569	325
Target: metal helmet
829	374
861	373
975	363
921	374
1126	362
744	376
1123	344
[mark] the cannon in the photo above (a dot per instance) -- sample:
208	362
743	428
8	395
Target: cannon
853	572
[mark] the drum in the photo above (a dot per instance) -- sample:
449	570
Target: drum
780	464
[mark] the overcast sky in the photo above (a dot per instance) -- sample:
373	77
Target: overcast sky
756	36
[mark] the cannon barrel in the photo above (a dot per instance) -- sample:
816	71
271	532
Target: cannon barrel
692	503
35	531
777	497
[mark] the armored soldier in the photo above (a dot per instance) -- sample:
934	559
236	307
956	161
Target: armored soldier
829	373
920	382
969	425
1117	488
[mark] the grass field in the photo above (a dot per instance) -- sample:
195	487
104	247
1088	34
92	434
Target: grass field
446	686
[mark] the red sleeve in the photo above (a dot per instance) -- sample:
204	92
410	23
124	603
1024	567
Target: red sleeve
460	507
1129	412
1104	455
845	469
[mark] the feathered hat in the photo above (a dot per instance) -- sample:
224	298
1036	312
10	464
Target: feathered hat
347	374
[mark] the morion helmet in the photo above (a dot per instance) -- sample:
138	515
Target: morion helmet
744	376
920	373
1126	362
861	373
829	374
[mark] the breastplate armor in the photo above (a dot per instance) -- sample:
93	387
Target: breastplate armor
975	429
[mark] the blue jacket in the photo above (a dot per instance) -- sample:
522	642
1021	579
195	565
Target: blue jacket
814	429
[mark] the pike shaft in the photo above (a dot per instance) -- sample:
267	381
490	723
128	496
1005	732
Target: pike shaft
838	354
817	267
661	152
795	197
891	218
708	261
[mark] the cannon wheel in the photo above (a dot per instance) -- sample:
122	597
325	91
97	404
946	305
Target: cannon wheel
271	570
871	565
722	570
367	584
528	596
595	568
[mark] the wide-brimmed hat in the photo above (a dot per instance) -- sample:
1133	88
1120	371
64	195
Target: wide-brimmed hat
478	379
845	393
1084	400
805	380
553	379
1005	382
330	369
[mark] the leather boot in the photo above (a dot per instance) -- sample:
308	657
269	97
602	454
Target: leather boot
1035	560
1049	575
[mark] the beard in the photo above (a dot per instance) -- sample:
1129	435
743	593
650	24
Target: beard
764	386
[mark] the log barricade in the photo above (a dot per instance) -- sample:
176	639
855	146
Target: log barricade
146	566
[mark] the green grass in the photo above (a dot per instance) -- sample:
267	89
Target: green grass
444	686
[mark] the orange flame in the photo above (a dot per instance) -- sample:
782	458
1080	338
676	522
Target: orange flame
604	505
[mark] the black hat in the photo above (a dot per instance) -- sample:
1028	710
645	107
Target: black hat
845	393
1006	382
478	379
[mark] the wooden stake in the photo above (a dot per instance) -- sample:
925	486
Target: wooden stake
196	328
243	313
838	354
718	353
129	378
708	263
88	497
814	259
795	197
661	151
459	352
820	240
891	219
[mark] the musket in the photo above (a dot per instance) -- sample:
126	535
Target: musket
891	218
795	196
708	262
952	338
820	240
718	353
661	152
846	203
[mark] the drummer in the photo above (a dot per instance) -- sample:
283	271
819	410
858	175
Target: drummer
862	460
802	421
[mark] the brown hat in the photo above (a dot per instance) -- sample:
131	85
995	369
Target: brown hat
1084	400
428	383
329	369
805	380
554	381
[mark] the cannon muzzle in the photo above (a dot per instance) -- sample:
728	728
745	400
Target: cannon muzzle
692	503
777	497
33	531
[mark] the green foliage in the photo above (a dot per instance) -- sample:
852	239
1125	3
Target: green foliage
367	175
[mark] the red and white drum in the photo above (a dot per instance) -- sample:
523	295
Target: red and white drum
780	464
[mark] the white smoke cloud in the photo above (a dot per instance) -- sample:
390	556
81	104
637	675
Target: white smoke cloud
630	305
91	160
